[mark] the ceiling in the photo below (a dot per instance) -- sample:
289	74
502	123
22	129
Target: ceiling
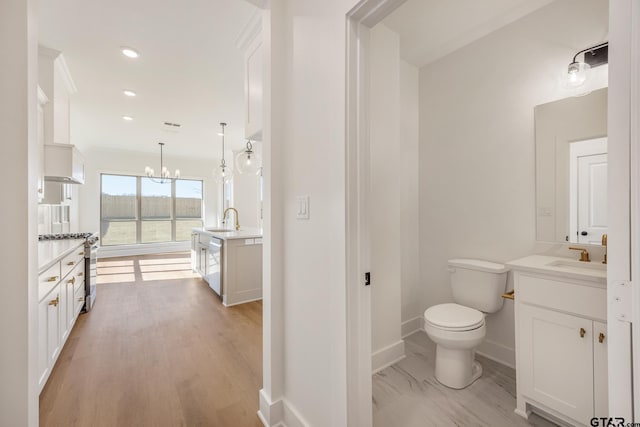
432	29
189	71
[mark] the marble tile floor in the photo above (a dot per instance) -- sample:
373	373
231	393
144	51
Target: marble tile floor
407	394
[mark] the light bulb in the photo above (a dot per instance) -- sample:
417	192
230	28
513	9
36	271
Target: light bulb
222	173
577	74
248	161
177	173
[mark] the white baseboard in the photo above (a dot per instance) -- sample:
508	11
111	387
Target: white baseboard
387	356
412	325
279	413
498	353
142	249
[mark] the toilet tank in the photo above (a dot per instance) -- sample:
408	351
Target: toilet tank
478	284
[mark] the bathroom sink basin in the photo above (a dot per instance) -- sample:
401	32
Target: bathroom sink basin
598	266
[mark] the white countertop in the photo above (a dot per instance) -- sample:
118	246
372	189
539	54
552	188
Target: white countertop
51	251
243	233
568	268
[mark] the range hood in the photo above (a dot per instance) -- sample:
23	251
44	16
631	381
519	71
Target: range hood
63	163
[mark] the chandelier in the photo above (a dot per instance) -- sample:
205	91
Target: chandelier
165	175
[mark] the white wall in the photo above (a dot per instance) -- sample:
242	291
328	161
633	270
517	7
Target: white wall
412	287
385	210
308	140
19	253
129	162
477	180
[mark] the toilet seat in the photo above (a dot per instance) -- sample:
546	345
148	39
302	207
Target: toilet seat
454	317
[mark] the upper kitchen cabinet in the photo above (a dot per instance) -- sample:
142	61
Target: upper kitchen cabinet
55	81
250	41
61	161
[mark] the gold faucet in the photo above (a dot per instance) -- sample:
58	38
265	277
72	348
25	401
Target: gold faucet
584	255
224	216
604	243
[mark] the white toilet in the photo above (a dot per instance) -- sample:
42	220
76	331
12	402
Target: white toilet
458	328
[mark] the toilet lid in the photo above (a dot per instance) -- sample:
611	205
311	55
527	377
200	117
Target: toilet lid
454	316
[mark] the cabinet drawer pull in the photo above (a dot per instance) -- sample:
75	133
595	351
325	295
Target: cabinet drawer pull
52	279
582	332
80	274
601	338
72	281
71	263
54	302
81	253
80	299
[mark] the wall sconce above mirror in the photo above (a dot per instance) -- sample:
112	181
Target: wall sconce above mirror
571	169
594	56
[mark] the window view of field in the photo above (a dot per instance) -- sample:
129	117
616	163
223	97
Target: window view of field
160	213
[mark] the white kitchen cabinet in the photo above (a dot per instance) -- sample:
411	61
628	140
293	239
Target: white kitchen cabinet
253	89
42	100
561	356
231	263
61	297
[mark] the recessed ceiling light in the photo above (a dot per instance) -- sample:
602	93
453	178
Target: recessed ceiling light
127	118
129	92
128	52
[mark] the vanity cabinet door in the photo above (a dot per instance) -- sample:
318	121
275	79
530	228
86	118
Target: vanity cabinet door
557	361
600	375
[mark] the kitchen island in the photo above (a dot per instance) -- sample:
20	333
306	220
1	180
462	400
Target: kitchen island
230	261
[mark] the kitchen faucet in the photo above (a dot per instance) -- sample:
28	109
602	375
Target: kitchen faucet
224	217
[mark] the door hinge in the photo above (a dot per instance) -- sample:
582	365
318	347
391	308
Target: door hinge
620	300
367	278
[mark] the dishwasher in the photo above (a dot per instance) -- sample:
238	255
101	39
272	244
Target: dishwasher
214	261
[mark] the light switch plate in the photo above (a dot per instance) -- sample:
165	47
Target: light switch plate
302	207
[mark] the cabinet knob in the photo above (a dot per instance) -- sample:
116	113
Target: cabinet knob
582	332
80	299
71	263
72	281
80	274
54	302
601	338
52	279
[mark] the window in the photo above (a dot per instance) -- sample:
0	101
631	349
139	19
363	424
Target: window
137	210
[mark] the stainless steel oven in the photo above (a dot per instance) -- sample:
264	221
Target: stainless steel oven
90	270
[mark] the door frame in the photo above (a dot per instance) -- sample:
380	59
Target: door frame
624	207
359	20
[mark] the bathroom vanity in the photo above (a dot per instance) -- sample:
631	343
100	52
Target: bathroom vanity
561	337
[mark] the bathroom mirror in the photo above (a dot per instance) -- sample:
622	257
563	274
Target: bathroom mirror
571	169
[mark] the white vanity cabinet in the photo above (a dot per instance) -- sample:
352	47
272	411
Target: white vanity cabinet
561	346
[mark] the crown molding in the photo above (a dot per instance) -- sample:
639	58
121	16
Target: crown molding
251	30
42	97
61	67
48	52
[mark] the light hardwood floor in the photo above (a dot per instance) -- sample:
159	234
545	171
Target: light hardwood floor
407	394
158	349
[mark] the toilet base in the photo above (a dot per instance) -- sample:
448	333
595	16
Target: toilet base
456	368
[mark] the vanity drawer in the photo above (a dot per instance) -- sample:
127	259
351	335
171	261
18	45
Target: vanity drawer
583	300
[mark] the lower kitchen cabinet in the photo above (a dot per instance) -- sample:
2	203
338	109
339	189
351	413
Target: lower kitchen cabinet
48	334
61	301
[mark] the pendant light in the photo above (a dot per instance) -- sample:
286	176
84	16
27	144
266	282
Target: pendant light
248	161
165	175
223	172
